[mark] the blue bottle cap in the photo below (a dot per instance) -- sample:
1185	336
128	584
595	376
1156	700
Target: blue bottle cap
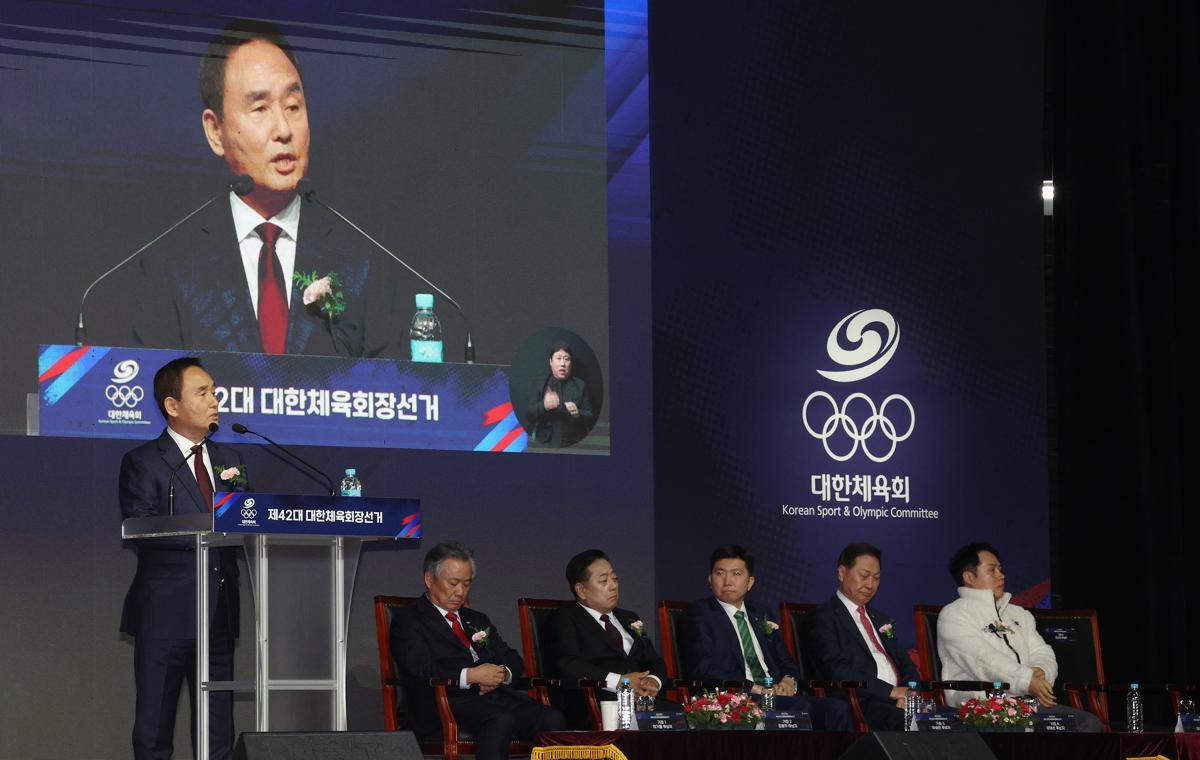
351	471
624	681
1133	686
424	300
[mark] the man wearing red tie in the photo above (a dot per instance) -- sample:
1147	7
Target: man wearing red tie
160	607
227	279
439	637
853	641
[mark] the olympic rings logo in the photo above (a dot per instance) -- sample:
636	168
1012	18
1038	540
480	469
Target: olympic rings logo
248	513
124	395
877	421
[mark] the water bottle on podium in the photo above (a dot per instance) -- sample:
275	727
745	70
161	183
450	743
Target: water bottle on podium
1133	709
351	485
912	705
425	332
768	695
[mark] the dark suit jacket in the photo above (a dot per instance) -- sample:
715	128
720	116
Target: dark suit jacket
557	427
579	648
712	650
161	602
192	294
425	647
839	653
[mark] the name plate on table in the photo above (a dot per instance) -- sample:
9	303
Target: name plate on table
937	722
102	392
1187	724
661	721
787	720
364	517
1055	724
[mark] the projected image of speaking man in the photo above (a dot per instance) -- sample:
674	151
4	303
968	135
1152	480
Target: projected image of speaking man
233	277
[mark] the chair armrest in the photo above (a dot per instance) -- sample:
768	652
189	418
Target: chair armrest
962	685
443	682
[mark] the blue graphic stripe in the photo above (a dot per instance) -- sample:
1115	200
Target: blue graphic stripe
51	355
503	428
64	382
518	444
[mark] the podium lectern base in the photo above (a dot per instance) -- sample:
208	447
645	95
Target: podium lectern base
328	745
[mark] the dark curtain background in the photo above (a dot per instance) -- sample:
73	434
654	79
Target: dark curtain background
1123	89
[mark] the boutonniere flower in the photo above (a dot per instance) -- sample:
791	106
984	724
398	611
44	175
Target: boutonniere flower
233	476
479	637
998	628
637	628
325	291
887	630
768	626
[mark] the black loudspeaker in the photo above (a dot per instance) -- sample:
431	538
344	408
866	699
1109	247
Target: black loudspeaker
919	745
328	745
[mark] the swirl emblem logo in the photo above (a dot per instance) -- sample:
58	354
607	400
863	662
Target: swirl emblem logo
874	335
248	502
872	350
119	392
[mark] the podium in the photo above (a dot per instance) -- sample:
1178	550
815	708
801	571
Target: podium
307	536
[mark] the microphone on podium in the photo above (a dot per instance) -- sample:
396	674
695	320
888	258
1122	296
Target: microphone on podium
212	430
309	193
241	185
241	429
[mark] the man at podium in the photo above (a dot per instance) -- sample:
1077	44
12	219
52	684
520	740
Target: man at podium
160	607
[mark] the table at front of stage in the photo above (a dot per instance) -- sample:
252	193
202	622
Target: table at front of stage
819	745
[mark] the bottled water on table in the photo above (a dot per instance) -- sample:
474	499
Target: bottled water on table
1133	709
768	696
912	705
625	705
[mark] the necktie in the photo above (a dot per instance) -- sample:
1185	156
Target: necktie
862	614
272	293
202	479
458	629
756	668
613	634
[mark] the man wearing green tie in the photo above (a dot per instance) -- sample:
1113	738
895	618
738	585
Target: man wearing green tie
724	637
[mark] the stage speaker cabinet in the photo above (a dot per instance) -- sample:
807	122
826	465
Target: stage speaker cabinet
327	745
913	745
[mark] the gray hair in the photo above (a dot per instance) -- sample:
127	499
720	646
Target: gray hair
448	550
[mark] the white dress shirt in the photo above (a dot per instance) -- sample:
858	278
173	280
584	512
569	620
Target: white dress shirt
883	666
462	675
730	610
245	219
185	448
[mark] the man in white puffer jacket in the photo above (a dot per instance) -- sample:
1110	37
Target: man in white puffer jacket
982	637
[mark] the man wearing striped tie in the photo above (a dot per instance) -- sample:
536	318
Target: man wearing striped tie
724	637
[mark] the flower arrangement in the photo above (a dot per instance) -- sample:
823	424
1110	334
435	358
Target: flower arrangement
768	626
479	637
637	628
233	476
996	712
325	291
887	630
998	628
721	710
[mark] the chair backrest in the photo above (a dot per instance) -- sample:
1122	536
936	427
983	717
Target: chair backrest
534	615
668	618
925	616
795	620
1074	635
385	608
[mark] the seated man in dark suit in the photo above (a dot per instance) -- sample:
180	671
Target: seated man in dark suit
160	607
724	638
852	641
596	640
437	637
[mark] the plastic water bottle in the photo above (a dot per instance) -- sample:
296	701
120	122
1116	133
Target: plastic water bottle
1133	709
351	485
625	705
425	333
768	696
912	706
